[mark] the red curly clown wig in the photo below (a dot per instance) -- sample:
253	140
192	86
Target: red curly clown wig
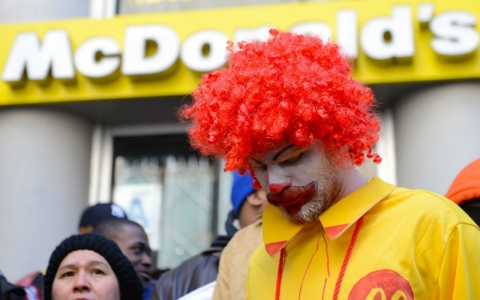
291	88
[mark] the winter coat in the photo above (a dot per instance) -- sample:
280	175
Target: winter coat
231	280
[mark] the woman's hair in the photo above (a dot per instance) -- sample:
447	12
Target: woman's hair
291	88
131	287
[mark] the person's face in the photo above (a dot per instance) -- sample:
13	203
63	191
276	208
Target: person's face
85	275
301	182
134	245
252	208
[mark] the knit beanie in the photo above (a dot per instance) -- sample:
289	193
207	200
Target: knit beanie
131	288
242	187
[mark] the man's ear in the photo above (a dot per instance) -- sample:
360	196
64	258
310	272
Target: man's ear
257	199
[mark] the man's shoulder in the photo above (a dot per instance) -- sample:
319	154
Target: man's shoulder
255	228
425	204
420	199
192	273
199	262
245	241
246	236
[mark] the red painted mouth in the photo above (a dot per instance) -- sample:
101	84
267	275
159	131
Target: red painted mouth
293	198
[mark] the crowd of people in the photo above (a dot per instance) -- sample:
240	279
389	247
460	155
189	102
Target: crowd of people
105	230
292	124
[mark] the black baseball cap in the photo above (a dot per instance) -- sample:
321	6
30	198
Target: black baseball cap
7	287
100	212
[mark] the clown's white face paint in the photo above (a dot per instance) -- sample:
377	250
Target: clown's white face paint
301	182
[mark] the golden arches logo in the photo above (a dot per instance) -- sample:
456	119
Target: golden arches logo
374	293
382	285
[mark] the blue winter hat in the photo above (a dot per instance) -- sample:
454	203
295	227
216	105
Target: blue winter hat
242	187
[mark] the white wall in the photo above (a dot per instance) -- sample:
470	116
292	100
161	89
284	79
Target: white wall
14	11
437	134
44	180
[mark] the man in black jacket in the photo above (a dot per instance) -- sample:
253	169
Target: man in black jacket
202	269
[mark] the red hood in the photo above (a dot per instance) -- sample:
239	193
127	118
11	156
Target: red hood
466	185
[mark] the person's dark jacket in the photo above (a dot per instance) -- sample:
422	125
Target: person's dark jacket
9	290
195	272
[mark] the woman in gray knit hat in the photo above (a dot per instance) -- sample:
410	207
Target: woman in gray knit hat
90	267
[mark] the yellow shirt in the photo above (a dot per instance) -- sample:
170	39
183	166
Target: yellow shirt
409	243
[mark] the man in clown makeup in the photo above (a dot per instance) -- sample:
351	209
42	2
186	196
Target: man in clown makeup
288	111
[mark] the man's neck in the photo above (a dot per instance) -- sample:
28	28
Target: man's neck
352	181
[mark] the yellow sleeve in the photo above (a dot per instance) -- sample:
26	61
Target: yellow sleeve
459	277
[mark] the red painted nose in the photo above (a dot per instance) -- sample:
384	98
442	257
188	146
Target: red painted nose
278	188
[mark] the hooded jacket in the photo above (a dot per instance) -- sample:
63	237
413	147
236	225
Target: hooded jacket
465	190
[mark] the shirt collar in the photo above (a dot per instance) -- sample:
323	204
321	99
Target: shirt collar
278	231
